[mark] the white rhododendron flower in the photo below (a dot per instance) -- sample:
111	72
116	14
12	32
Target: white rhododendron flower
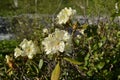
27	48
45	30
57	42
18	52
65	15
24	43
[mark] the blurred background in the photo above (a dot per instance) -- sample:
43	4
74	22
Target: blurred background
83	7
12	12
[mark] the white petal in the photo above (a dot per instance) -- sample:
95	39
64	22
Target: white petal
30	56
61	46
23	44
18	52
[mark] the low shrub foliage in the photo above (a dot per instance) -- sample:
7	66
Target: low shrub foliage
66	50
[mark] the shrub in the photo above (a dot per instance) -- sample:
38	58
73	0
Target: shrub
93	52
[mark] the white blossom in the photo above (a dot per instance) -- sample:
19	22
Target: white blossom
65	15
27	48
45	30
56	42
18	52
23	44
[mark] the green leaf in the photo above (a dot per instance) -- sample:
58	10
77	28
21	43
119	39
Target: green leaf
100	44
101	65
40	63
56	72
90	73
118	34
34	67
84	26
72	61
77	42
86	59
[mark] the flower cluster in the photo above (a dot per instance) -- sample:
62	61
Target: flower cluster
65	15
59	41
27	48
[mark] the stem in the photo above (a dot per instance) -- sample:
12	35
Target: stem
83	74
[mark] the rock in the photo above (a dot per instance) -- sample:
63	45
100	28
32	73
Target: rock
4	25
6	28
6	36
